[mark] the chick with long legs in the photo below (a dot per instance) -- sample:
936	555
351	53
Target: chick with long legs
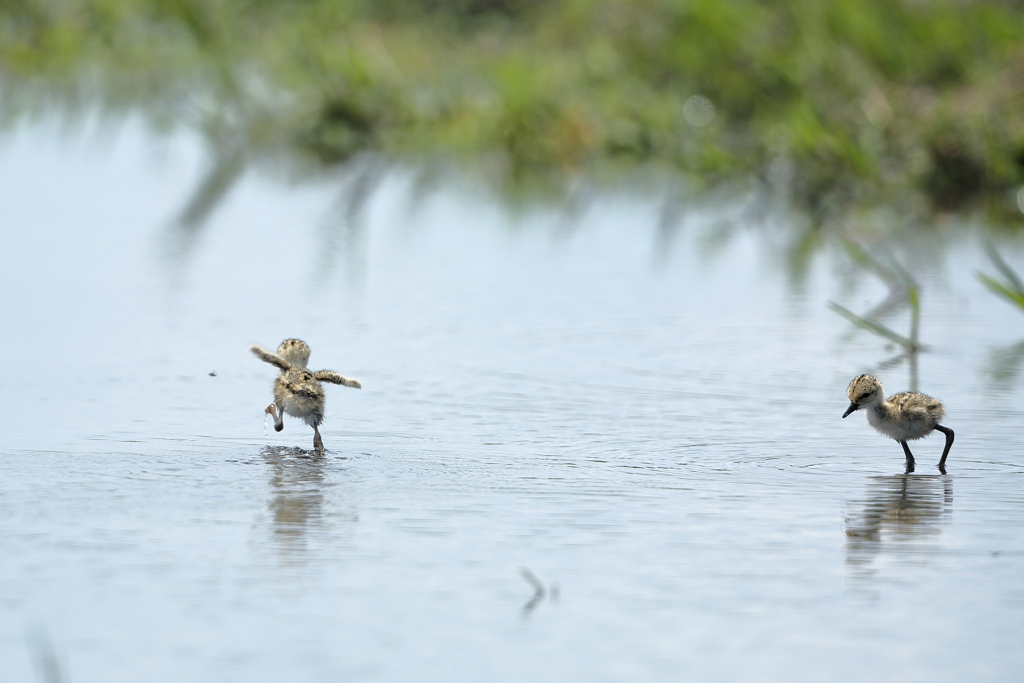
903	417
297	391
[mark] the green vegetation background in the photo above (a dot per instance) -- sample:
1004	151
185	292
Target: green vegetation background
916	104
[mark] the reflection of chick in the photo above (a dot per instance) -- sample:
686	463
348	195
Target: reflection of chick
903	417
297	391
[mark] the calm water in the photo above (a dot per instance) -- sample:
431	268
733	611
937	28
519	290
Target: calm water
653	433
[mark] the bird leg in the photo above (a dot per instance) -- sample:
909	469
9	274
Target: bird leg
278	419
910	457
945	451
318	443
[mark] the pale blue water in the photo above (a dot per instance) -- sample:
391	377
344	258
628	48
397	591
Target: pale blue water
655	435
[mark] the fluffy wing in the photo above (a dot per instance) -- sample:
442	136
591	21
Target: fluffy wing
335	378
268	357
919	407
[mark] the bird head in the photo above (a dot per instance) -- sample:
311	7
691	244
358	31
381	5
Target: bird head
295	351
863	391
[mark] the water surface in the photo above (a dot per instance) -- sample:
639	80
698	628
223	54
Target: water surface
653	432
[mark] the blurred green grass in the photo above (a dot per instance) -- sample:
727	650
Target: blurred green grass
914	104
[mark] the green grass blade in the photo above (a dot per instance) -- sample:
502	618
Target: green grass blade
862	258
1002	289
857	254
1004	268
914	297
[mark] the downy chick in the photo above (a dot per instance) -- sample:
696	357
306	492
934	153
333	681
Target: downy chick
905	416
297	391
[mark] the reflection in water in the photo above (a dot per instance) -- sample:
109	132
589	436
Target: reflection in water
223	174
670	222
1005	364
297	496
911	358
539	591
46	659
899	512
344	233
226	169
904	292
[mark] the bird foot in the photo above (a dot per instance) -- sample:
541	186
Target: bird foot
278	421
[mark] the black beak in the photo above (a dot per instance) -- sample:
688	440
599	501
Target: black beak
853	407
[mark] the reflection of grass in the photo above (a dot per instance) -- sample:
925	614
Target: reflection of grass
909	344
47	660
1005	363
903	292
1011	287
